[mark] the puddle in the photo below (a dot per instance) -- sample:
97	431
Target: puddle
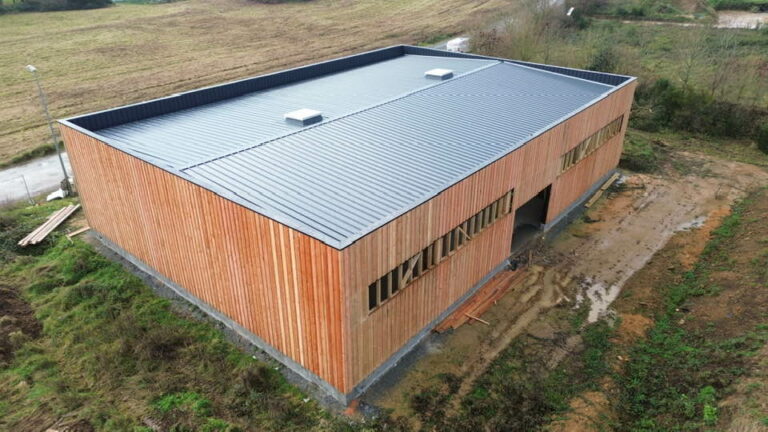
600	298
601	294
741	19
695	223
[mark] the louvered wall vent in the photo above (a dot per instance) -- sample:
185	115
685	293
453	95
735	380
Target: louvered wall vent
439	74
303	117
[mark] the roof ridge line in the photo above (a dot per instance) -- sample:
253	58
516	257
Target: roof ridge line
368	108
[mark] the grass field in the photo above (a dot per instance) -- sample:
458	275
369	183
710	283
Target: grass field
102	58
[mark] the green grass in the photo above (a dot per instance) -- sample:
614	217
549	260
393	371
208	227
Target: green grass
113	353
638	154
40	151
676	376
751	5
183	45
697	55
518	392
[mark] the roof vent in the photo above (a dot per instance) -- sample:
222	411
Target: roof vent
439	74
303	117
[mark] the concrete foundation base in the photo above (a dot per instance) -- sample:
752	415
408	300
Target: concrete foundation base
312	384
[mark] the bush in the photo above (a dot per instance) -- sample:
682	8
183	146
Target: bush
662	104
605	60
762	138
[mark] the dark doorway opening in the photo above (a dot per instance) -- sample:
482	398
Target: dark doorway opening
529	219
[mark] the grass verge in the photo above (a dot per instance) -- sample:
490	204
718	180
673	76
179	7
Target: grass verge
39	151
518	391
113	354
686	364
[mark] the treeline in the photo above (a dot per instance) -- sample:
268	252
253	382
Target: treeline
52	5
661	104
750	5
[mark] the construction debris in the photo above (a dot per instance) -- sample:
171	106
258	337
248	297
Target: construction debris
473	308
79	231
602	189
54	220
477	319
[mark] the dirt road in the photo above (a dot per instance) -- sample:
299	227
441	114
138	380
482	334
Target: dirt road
588	264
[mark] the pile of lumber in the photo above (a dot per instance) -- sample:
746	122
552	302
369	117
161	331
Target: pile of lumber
486	297
54	220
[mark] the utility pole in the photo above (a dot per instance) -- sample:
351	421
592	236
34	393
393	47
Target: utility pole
44	103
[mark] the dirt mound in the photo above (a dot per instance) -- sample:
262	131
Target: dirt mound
17	322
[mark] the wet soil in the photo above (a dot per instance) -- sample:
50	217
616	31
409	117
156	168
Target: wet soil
17	322
609	263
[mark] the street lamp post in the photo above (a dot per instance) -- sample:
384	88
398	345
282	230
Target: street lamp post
44	103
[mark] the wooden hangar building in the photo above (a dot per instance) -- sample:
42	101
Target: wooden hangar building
333	214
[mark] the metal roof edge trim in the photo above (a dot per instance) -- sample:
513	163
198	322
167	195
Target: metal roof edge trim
599	77
331	120
391	218
216	190
218	92
301	227
545	71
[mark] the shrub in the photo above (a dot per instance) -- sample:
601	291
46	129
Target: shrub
663	104
605	60
762	138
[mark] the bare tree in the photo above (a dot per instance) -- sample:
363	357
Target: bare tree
691	52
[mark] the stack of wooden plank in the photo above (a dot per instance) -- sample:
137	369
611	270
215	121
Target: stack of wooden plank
54	220
488	295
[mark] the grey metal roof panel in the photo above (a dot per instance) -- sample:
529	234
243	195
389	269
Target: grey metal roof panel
196	134
342	179
390	139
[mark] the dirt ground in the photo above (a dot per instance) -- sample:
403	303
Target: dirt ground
617	245
96	59
17	322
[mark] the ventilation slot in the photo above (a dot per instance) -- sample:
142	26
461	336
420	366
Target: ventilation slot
303	117
439	74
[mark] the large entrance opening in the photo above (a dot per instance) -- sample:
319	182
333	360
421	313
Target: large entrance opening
530	219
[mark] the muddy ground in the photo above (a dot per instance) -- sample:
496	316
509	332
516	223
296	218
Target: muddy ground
17	322
603	267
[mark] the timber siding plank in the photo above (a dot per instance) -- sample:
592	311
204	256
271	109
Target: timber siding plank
373	337
256	271
304	298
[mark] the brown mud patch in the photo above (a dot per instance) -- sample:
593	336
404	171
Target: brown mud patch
611	263
17	322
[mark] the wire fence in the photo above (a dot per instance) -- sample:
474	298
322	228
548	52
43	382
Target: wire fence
15	190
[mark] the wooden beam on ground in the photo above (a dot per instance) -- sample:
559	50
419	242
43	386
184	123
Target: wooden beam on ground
54	220
602	189
477	319
79	231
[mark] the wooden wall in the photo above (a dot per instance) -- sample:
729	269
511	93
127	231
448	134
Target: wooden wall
304	298
373	337
278	283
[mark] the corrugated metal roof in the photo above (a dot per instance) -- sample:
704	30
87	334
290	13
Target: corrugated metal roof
194	135
390	139
343	179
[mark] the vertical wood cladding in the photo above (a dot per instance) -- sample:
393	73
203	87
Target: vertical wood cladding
306	299
278	283
372	337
